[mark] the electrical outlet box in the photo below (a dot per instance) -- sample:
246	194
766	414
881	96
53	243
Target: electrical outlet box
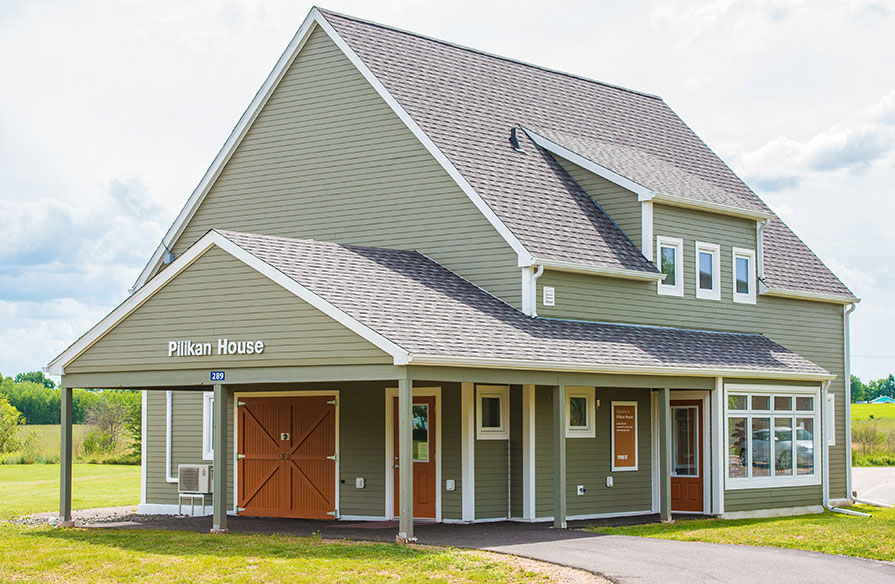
450	485
581	490
359	482
608	481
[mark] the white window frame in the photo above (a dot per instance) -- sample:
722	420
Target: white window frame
749	254
502	392
678	244
715	250
207	425
749	482
589	395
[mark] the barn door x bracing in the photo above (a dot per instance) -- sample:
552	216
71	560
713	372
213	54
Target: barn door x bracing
287	456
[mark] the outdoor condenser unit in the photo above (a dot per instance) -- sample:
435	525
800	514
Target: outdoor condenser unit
194	478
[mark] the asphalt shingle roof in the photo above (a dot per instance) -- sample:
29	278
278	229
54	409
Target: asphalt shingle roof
466	101
428	310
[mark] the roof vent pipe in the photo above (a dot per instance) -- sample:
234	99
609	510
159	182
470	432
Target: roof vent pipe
514	141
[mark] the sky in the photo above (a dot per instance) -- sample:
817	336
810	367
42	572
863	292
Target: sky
111	111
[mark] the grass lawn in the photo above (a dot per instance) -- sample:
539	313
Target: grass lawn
829	532
33	488
878	411
108	555
50	435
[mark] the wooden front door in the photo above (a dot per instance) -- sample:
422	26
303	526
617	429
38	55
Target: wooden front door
687	473
287	465
423	420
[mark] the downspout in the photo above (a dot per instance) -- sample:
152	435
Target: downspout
825	449
761	225
534	289
169	405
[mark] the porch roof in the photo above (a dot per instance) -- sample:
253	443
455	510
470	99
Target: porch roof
439	318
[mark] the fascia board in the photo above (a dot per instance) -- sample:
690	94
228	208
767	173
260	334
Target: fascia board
481	362
599	271
226	152
675	201
213	238
802	295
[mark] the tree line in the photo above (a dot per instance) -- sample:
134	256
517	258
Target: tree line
871	390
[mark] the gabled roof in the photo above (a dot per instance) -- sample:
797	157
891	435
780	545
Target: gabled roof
462	103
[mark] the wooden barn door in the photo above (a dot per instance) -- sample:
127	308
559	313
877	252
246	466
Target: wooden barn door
287	466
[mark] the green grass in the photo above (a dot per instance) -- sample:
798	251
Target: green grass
108	555
878	411
34	488
828	532
50	435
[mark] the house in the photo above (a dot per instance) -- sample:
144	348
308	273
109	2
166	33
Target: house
545	291
883	399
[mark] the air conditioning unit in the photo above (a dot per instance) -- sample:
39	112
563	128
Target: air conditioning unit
194	478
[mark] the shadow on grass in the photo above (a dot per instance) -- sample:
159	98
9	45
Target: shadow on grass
180	543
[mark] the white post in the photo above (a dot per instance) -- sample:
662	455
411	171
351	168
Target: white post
405	461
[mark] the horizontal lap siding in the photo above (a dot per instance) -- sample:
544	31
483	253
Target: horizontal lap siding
621	205
220	297
492	493
451	452
812	329
589	460
327	159
362	448
774	498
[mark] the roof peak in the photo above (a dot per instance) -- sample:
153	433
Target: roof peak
327	12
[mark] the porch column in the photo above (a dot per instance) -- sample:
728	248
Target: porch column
559	457
405	460
65	459
219	519
664	454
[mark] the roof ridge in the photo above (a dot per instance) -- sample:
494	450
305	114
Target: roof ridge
327	12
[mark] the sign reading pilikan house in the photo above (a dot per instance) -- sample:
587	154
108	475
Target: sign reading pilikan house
224	347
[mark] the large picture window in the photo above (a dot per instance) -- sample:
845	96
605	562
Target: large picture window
772	436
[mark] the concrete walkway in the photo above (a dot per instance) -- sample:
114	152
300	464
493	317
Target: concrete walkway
875	483
620	558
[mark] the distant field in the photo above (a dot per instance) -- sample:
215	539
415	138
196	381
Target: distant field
50	435
878	411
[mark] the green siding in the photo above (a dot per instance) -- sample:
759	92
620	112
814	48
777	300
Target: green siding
492	490
451	451
589	460
362	448
773	498
621	205
327	159
812	329
516	508
219	296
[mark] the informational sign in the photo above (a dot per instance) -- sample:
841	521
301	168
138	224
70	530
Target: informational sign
624	436
224	347
218	376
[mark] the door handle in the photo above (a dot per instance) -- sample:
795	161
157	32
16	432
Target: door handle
281	457
397	466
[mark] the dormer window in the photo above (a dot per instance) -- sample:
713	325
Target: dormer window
669	252
744	275
708	271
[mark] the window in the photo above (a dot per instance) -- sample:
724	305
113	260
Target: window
580	412
744	275
670	252
493	412
772	437
208	425
708	271
420	432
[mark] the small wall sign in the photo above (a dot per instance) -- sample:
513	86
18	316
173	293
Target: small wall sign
217	376
624	436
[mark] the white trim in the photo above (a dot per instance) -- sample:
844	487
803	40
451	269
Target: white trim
297	393
363	518
590	429
144	423
720	209
748	254
467	446
718	447
596	516
829	416
169	431
502	393
390	394
654	452
636	466
491	363
213	238
714	250
646	228
207	427
641	191
815	296
676	243
748	482
528	452
778	512
610	272
314	19
705	443
529	291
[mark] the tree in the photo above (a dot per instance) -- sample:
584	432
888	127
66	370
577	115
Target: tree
35	377
10	418
108	416
858	389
